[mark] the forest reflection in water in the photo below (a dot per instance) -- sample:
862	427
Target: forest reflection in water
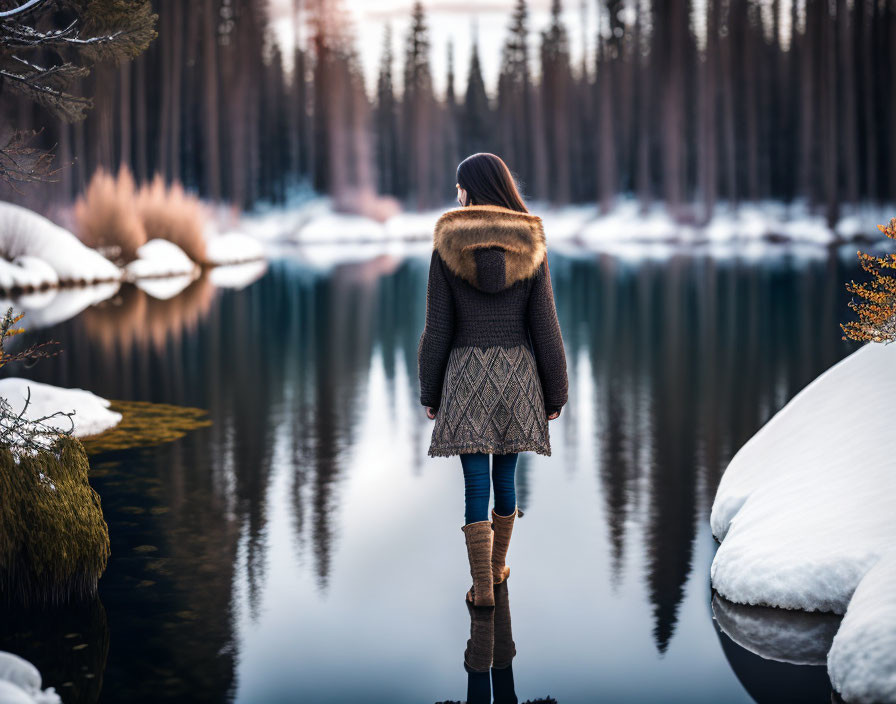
310	383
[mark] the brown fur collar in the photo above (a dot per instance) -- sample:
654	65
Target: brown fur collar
459	232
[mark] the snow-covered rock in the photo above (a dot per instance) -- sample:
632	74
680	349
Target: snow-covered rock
862	661
805	508
20	682
92	414
232	248
26	236
160	258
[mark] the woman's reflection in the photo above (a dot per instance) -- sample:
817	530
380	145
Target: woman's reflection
489	655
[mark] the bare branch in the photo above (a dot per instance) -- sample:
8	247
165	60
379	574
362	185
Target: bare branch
22	8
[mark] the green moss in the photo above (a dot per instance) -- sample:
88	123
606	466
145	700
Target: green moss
145	424
54	542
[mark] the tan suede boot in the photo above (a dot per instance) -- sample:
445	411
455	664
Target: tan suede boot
503	527
479	538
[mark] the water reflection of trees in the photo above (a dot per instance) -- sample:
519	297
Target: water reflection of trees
689	358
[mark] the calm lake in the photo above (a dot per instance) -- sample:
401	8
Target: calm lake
304	548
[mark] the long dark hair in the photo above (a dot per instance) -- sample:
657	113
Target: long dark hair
487	181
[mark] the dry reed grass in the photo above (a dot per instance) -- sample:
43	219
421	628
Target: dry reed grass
116	217
105	216
170	213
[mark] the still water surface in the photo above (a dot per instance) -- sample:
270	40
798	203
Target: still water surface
304	548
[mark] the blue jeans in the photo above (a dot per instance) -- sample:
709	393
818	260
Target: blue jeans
476	485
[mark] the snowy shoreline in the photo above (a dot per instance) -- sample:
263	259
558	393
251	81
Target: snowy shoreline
314	222
37	256
804	515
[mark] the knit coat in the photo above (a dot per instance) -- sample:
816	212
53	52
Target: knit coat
491	358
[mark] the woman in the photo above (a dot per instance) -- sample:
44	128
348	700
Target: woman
491	361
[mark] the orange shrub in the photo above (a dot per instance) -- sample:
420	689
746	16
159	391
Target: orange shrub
170	213
875	301
105	217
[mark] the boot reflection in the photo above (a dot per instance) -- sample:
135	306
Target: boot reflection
504	649
490	651
479	654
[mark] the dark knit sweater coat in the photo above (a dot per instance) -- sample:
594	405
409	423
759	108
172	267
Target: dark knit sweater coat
491	358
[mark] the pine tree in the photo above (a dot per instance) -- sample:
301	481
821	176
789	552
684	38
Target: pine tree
418	111
515	99
556	79
43	59
385	124
476	119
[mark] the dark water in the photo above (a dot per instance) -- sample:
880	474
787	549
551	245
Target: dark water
304	547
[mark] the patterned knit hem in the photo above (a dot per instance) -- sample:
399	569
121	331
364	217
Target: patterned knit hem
489	448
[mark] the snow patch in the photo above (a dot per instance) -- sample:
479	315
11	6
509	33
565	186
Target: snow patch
26	237
20	682
160	258
92	414
232	248
862	661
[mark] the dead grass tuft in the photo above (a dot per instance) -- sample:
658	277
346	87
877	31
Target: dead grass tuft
172	214
106	218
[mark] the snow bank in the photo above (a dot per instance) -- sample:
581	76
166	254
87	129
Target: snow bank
412	226
92	414
340	227
26	236
20	682
232	248
862	661
806	506
27	273
160	258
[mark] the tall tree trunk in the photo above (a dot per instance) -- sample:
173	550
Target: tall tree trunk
869	110
829	119
848	131
176	67
706	143
210	100
606	155
124	114
727	60
140	127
